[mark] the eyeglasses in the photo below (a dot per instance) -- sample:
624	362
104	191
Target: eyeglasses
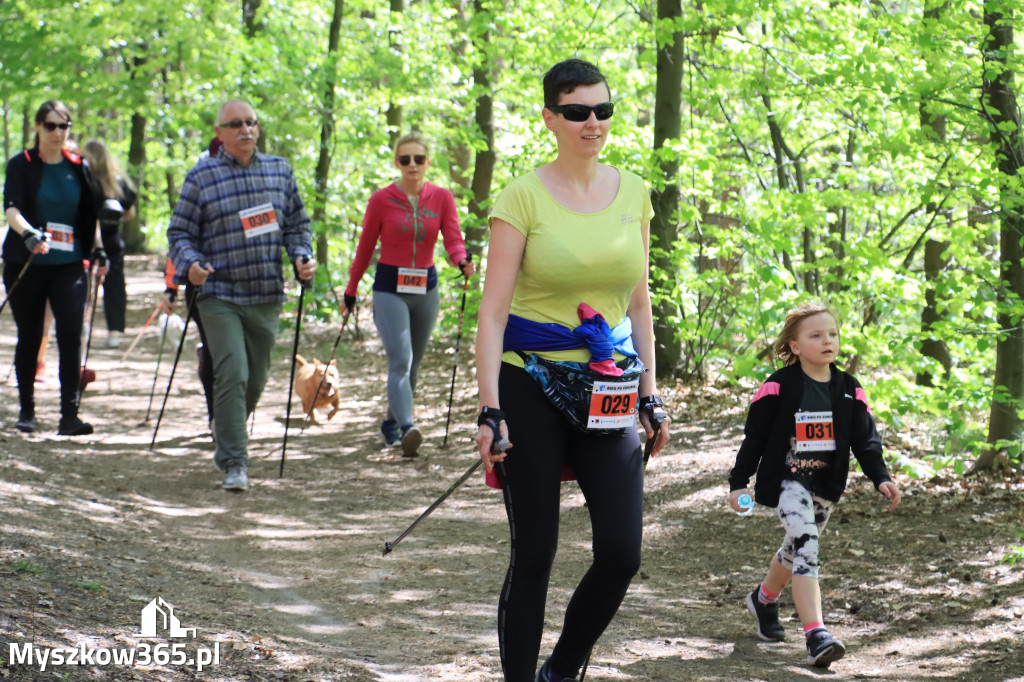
237	123
51	126
581	112
405	159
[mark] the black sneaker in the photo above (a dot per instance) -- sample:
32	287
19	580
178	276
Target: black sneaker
768	627
73	426
823	648
545	675
25	424
391	432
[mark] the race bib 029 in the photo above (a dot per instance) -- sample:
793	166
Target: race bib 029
613	404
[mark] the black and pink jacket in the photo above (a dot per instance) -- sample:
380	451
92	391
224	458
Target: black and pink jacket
771	427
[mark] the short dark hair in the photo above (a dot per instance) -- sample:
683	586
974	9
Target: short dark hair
564	77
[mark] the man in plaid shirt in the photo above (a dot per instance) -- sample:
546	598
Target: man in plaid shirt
236	211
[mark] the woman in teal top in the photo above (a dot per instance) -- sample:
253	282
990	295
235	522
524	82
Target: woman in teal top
569	242
50	205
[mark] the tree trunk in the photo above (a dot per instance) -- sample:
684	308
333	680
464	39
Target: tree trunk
249	9
323	163
134	240
483	166
934	263
1003	115
668	96
394	113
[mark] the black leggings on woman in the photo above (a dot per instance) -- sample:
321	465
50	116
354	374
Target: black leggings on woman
66	287
609	469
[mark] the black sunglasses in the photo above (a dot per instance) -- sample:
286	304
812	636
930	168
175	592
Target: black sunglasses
581	112
51	126
236	123
405	159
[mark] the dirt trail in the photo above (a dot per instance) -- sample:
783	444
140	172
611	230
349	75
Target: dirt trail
289	581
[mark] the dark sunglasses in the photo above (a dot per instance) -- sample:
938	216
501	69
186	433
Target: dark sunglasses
51	126
405	159
581	112
236	123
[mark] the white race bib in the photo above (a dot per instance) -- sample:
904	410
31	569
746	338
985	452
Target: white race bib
613	404
62	237
412	281
259	220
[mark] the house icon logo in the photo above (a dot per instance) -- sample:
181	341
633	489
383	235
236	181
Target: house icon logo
158	611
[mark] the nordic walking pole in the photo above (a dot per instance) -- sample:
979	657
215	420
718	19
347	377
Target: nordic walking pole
141	332
100	261
21	274
177	356
320	386
156	372
496	447
291	381
455	367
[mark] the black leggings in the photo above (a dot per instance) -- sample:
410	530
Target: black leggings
115	299
65	286
609	469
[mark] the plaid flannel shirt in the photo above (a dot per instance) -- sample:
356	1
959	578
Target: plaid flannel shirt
206	227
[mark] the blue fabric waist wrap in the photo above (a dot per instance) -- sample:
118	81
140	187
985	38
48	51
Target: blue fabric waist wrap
593	333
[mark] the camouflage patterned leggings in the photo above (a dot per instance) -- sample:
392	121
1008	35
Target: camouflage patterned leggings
803	517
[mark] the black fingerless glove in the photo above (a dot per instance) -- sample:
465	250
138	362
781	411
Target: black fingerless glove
350	303
32	238
99	257
492	417
466	261
171	294
655	409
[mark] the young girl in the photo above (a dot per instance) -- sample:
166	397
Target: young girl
801	427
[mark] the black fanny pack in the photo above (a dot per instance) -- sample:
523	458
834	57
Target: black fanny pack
590	401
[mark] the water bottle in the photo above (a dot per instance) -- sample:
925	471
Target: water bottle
747	503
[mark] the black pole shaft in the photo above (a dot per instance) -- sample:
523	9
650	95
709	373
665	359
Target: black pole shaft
17	279
92	320
388	546
156	372
174	367
291	381
455	366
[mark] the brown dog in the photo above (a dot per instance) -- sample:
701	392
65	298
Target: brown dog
307	379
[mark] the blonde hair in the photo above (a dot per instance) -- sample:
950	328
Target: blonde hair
106	169
414	137
791	328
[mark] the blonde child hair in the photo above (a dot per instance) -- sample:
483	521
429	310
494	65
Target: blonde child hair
791	328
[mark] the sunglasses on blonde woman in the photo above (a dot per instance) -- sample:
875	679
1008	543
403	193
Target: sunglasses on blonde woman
51	126
405	159
581	112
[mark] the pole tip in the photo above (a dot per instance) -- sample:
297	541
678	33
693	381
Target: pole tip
387	549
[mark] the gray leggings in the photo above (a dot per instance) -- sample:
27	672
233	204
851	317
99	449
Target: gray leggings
405	323
803	517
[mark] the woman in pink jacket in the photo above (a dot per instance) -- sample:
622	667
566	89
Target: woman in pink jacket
406	218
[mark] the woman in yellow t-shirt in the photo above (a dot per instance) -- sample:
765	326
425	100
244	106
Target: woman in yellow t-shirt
566	281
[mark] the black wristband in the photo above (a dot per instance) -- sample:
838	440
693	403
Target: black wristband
654	407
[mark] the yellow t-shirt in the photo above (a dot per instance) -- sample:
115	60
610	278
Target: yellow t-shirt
573	258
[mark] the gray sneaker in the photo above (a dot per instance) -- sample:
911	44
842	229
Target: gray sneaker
237	478
411	439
